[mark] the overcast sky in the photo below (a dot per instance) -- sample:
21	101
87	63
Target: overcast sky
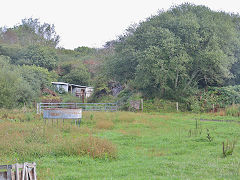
93	22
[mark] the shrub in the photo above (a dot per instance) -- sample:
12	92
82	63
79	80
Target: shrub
158	105
70	98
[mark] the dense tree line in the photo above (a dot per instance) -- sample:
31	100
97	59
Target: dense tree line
177	52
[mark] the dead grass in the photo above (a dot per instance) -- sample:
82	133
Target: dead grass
222	112
127	117
19	114
92	146
104	124
25	141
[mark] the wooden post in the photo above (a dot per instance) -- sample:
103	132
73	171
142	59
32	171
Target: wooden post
9	174
26	173
17	172
223	149
177	105
37	109
23	171
35	171
142	104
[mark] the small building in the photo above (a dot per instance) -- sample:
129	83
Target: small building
89	91
77	90
61	86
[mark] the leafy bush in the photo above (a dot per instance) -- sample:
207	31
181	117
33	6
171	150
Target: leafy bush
21	84
14	90
214	97
37	77
78	75
38	55
70	98
159	105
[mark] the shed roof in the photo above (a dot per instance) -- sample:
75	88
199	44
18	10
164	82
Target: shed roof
79	86
60	83
68	84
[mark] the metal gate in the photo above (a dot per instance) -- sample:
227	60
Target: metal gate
84	106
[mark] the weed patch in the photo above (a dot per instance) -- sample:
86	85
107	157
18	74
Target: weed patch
105	124
228	147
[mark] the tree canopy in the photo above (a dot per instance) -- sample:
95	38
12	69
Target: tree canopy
30	32
170	54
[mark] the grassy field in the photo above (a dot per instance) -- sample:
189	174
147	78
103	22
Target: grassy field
123	145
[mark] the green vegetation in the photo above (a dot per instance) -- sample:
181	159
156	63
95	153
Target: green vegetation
188	54
178	54
123	145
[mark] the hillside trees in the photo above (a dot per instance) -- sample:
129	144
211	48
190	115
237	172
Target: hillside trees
39	56
14	90
22	84
30	43
83	50
31	60
30	32
175	52
37	77
77	75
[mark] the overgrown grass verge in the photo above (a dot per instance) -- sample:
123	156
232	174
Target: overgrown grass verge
27	141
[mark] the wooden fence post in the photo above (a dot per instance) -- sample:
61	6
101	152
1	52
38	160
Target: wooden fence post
9	173
142	104
17	172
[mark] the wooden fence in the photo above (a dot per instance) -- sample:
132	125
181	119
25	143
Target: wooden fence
17	171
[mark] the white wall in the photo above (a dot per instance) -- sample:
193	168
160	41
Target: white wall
62	86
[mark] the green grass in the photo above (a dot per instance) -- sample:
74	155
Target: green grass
148	146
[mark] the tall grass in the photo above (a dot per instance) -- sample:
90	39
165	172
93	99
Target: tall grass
105	124
25	141
233	110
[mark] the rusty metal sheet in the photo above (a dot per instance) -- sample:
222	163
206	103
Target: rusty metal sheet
59	113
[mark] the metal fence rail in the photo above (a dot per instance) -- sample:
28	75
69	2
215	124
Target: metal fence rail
83	106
